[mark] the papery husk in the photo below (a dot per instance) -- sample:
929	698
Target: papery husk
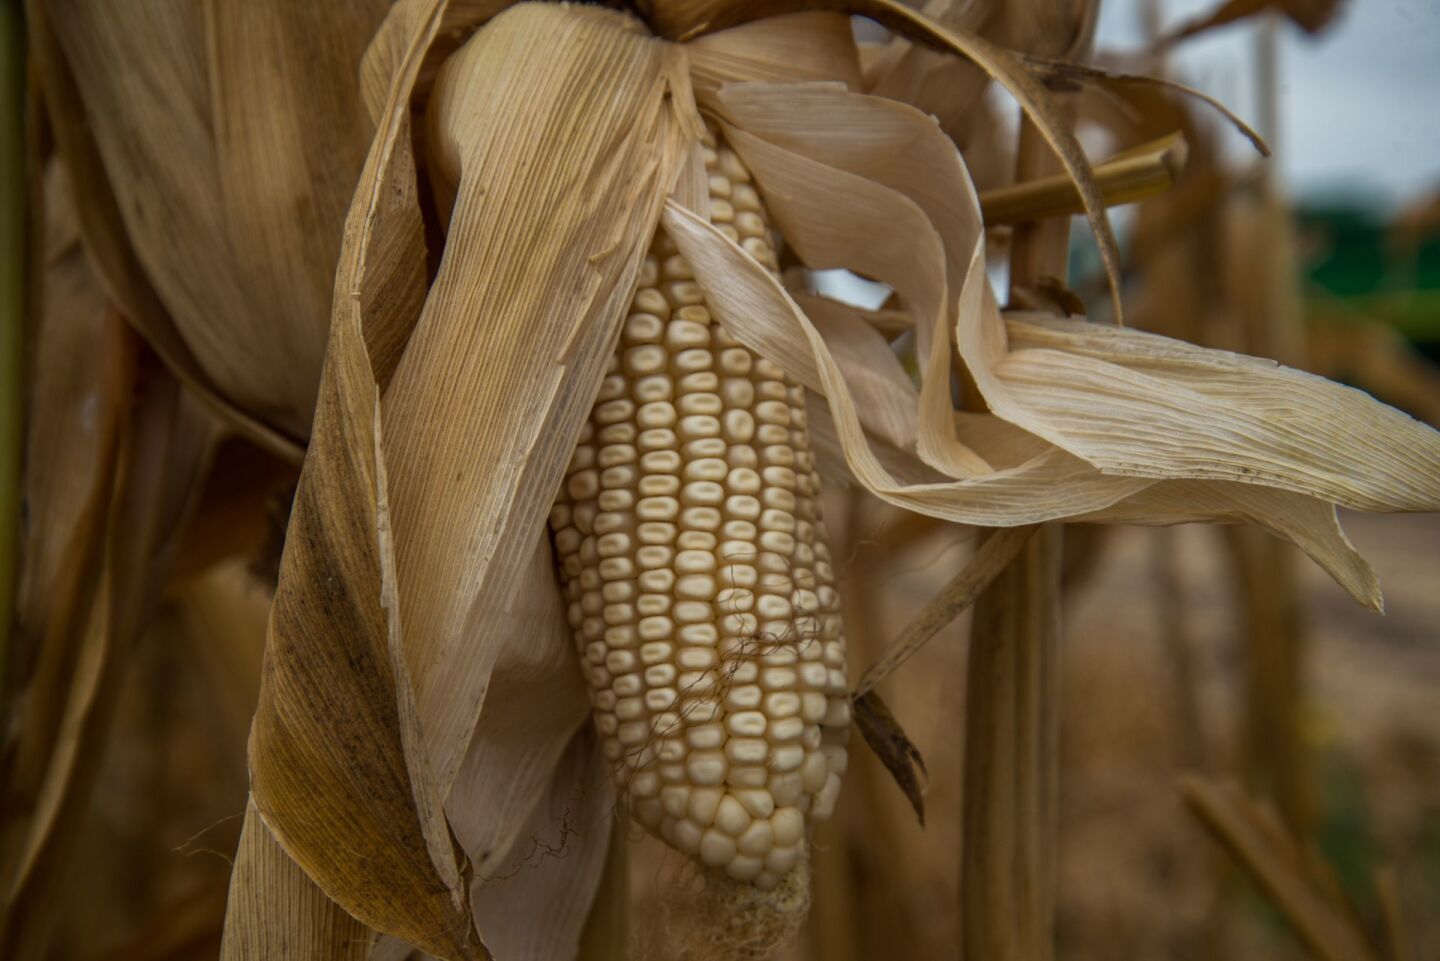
535	702
474	472
1054	28
687	19
758	311
809	199
1144	405
366	826
349	623
788	48
533	904
276	911
237	128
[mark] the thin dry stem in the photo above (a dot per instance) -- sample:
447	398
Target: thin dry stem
948	603
1137	174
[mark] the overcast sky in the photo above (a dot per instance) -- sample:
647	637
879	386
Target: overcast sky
1360	105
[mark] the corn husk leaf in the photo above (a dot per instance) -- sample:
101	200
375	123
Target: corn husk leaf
536	700
557	863
1014	476
276	911
1307	523
687	19
238	128
1144	405
881	385
366	826
759	312
789	48
1046	27
370	830
474	472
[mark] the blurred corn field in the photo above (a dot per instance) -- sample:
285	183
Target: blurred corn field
702	479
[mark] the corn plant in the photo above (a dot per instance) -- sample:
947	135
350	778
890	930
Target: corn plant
521	291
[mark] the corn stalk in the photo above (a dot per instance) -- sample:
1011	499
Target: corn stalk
1007	873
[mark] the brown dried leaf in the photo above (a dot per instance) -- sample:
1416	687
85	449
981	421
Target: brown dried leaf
1311	15
368	826
106	243
365	824
556	863
789	48
536	700
161	461
1038	104
1192	412
83	367
1056	70
893	747
277	913
237	128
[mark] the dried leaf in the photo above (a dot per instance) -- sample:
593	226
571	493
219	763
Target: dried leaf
160	464
882	387
366	826
946	87
206	121
892	746
534	905
1140	404
536	700
757	311
106	243
364	823
1038	105
1045	27
276	912
82	381
789	48
1307	523
1012	487
290	138
1056	70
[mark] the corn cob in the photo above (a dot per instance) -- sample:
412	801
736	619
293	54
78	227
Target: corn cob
699	583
